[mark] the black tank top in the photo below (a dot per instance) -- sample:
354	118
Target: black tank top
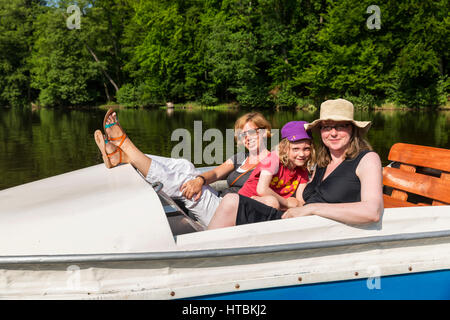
341	186
238	159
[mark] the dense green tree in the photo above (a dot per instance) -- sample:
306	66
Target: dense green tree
288	31
419	74
402	61
80	65
234	57
16	41
164	64
255	52
61	67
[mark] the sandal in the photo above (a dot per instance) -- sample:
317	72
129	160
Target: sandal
101	143
106	126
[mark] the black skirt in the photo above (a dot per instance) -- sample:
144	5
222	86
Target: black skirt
251	211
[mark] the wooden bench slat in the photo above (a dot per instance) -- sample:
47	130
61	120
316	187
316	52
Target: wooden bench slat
427	186
408	168
422	156
399	195
438	203
390	202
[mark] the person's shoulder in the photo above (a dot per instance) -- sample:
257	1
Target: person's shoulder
369	160
371	156
271	159
270	163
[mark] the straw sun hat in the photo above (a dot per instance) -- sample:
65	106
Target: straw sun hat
338	110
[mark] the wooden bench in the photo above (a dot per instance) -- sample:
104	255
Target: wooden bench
419	176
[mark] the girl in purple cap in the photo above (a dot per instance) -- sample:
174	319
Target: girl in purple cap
274	181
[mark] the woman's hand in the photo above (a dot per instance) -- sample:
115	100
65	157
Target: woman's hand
297	212
192	188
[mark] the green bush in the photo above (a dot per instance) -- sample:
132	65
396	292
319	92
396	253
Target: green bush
208	99
127	96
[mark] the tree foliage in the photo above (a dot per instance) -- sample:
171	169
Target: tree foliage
253	52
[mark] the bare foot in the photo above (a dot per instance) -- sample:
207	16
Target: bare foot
116	155
112	155
117	137
114	131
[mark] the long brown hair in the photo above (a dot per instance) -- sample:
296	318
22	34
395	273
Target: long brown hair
357	144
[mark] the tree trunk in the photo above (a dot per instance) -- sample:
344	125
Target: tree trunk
107	92
104	71
98	61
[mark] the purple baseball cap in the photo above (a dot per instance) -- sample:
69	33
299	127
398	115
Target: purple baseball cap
295	130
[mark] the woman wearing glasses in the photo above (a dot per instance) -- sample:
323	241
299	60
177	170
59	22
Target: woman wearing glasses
347	183
179	177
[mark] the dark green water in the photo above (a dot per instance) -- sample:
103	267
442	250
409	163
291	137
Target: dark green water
46	142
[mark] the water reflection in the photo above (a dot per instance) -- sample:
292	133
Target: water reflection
46	142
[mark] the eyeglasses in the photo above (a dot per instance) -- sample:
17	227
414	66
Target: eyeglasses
249	133
337	127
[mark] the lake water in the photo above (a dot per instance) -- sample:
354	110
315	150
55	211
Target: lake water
47	142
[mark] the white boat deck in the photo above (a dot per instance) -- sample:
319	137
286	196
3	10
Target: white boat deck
92	210
100	211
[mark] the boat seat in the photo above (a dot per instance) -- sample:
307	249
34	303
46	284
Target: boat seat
417	176
181	220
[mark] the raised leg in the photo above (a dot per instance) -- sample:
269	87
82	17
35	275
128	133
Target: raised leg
117	137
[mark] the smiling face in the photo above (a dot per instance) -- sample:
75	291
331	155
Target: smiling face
336	135
299	152
252	136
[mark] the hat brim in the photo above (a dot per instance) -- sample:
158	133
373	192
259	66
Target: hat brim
363	125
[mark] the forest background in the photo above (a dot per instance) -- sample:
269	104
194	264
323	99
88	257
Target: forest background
258	53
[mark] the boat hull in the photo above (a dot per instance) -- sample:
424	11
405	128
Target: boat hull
433	285
352	269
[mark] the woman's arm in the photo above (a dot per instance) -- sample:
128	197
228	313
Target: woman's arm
370	207
194	186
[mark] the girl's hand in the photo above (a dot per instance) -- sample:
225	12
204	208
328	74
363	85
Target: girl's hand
192	188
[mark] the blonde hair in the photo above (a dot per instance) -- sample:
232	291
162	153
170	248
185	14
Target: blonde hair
357	144
256	118
283	154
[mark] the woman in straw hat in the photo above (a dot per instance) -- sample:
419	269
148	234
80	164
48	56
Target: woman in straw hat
347	184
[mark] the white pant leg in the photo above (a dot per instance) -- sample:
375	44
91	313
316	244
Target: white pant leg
172	173
176	164
205	207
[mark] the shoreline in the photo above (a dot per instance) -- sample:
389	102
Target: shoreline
235	106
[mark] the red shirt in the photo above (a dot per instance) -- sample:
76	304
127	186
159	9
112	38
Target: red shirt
284	181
